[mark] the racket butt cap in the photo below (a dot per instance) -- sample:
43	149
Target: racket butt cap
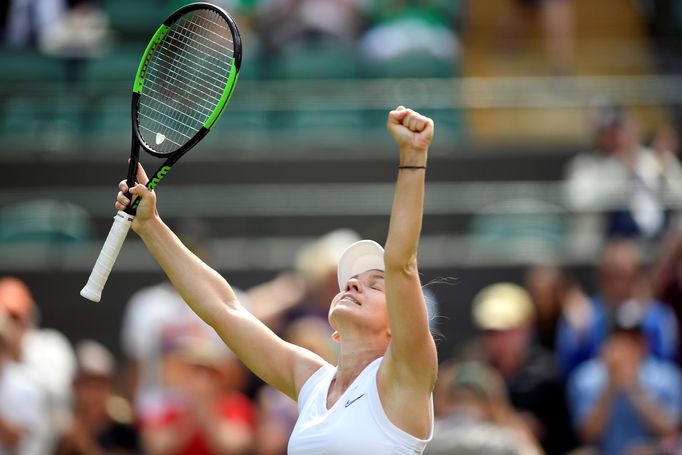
91	295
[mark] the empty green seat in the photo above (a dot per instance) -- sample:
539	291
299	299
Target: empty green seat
44	221
19	66
313	61
135	21
521	229
413	66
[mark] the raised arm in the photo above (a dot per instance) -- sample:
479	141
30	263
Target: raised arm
411	359
280	364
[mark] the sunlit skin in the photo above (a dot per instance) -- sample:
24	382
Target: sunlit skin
363	304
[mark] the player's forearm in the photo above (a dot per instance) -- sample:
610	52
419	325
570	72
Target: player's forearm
406	219
202	288
411	341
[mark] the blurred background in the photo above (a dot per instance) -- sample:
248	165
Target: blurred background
554	168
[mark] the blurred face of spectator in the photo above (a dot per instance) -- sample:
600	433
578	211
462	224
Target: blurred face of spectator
628	343
618	272
616	282
545	285
608	138
618	139
504	313
202	368
18	328
507	348
203	380
628	138
17	302
616	133
92	386
91	394
623	352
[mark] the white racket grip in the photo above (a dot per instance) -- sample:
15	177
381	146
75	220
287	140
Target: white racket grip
105	261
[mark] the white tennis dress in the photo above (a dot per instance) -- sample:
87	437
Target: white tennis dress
355	424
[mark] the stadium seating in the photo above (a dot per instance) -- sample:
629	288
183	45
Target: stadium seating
44	221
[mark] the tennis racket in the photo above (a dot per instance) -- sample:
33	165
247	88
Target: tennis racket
183	83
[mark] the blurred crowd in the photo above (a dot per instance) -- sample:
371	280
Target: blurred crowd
557	366
385	37
376	29
380	32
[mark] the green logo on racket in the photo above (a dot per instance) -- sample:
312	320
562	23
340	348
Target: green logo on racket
158	177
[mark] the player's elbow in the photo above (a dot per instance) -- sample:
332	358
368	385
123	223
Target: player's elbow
398	263
219	311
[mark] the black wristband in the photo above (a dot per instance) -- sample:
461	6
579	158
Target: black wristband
411	167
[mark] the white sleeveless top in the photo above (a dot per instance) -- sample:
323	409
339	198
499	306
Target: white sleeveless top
355	424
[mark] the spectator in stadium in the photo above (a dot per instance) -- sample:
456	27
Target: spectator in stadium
45	353
476	417
667	279
153	313
378	397
556	20
630	182
287	24
22	402
504	314
101	422
625	397
546	284
585	320
199	413
26	21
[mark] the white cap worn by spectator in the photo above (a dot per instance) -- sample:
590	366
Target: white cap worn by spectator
94	359
502	306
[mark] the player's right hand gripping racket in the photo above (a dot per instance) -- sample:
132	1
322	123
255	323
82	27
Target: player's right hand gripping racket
185	79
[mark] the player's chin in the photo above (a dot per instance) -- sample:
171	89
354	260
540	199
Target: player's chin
345	311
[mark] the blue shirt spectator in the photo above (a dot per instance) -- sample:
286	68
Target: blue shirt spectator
576	345
658	380
585	322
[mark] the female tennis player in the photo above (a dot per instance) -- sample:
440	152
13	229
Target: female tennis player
378	399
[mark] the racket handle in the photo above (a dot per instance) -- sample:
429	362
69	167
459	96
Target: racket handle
105	261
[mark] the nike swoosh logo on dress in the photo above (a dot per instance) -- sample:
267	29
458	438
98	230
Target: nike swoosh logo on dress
350	402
